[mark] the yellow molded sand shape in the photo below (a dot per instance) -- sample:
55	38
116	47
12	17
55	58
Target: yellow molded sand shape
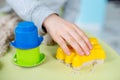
97	55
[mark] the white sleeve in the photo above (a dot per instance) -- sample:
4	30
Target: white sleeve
31	10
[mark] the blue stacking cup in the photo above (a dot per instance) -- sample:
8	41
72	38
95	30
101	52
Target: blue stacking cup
26	36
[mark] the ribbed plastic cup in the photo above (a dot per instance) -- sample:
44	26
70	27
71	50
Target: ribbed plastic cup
26	36
28	58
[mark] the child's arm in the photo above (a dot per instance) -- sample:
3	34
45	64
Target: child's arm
31	10
60	30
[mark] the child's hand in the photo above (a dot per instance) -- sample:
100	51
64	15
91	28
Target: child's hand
64	32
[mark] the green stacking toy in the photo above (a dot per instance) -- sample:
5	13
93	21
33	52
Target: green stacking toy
27	44
28	58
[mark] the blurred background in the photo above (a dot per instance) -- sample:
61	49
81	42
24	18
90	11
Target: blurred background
101	18
109	31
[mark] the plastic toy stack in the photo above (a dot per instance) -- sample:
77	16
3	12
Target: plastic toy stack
27	44
97	56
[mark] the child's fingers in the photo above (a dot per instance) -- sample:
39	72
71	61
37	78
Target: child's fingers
73	43
63	45
80	41
83	35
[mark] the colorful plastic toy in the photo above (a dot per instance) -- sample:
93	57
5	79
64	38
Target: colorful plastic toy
27	44
97	55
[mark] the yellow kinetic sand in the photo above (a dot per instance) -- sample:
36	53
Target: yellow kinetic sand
97	56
